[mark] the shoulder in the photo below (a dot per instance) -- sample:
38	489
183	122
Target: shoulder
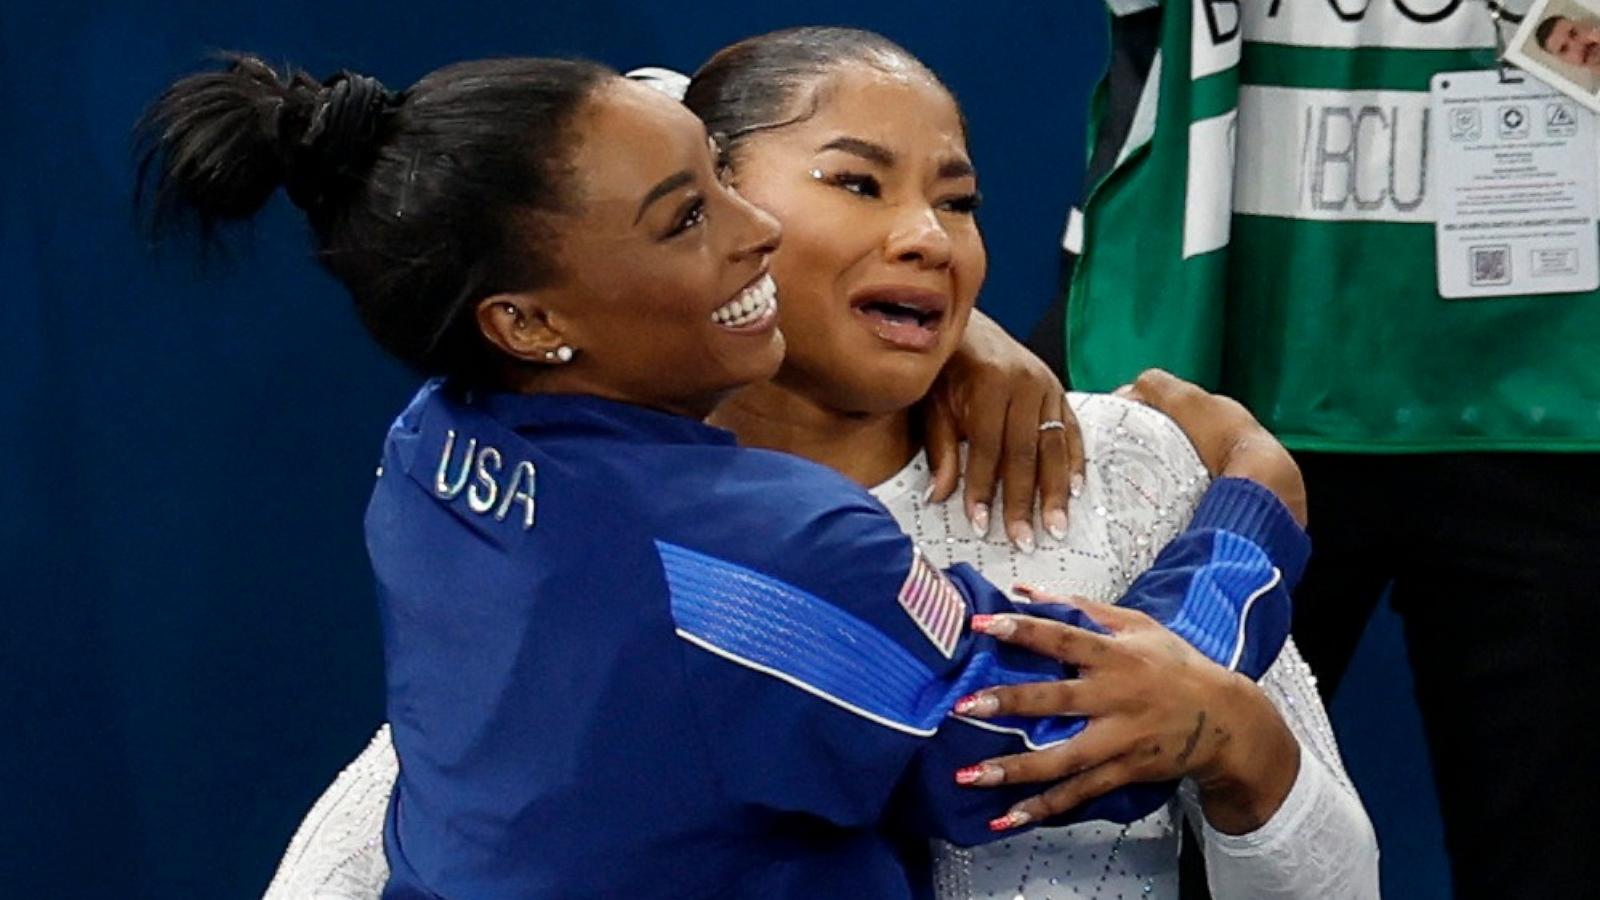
790	548
1112	424
780	503
789	518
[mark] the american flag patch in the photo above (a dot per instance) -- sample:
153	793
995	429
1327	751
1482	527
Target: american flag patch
934	604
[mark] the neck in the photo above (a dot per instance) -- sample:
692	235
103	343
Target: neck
574	381
867	448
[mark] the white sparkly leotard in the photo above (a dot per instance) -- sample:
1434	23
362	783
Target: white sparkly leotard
1142	484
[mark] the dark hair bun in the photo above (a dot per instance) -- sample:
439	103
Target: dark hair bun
420	203
339	140
224	141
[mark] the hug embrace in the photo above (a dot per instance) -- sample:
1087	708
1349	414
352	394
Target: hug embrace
678	595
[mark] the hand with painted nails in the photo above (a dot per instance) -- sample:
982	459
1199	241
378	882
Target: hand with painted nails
1158	710
1230	441
1012	411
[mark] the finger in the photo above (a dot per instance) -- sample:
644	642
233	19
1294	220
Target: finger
1069	794
1165	391
1031	594
984	438
943	445
1089	748
1055	465
1020	466
1111	617
1056	640
1037	596
1068	697
1077	460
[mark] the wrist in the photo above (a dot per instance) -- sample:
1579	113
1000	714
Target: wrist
1255	765
1269	465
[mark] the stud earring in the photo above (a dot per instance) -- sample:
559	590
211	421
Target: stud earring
562	353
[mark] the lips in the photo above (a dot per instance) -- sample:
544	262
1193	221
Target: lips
907	318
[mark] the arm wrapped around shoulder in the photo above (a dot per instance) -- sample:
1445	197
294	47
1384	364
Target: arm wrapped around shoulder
830	684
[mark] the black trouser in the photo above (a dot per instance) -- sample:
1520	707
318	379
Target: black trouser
1493	560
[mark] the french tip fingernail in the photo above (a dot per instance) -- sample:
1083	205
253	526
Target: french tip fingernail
1024	539
980	519
1055	522
927	495
1076	486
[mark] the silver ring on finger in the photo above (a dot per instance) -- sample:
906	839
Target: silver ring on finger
1052	425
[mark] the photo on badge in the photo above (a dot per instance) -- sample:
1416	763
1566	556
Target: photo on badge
1558	42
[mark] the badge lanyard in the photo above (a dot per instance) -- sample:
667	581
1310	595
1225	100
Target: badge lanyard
1513	181
1499	16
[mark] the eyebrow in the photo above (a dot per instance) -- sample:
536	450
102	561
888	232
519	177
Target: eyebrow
667	186
867	150
883	156
956	168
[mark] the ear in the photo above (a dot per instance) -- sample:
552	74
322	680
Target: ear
520	326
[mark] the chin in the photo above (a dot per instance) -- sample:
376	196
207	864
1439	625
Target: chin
764	363
887	388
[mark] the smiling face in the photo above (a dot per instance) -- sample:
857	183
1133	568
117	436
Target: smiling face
881	259
664	292
1574	42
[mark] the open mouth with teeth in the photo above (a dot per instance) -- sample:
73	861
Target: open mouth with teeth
754	308
910	322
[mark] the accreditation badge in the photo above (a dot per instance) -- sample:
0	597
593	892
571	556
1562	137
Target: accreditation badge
1513	177
1557	41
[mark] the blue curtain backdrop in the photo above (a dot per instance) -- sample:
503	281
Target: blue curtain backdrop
189	647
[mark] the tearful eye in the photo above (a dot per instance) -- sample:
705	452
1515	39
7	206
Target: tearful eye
860	185
965	205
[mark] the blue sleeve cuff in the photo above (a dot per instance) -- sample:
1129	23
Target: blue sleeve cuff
1247	509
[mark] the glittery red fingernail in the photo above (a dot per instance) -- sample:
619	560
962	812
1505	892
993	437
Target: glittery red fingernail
1014	819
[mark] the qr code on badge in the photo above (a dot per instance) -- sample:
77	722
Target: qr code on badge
1490	265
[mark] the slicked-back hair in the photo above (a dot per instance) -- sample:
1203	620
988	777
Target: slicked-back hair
756	84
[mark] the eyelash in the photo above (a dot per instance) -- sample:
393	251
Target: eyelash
695	215
966	204
868	186
692	217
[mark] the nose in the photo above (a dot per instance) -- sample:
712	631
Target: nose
761	234
919	239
